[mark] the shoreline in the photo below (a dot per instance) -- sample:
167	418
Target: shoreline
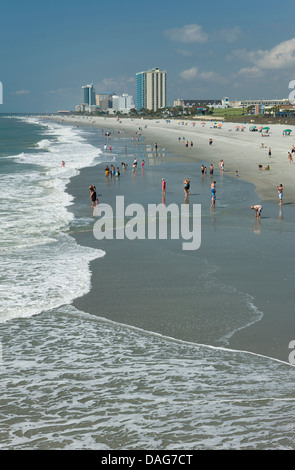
260	338
240	150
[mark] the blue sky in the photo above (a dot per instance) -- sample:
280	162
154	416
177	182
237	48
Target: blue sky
209	49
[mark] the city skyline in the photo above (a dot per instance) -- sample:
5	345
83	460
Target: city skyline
207	50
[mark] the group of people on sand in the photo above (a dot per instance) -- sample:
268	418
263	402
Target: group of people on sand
290	156
267	167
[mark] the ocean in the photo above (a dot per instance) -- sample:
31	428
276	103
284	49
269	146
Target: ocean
121	375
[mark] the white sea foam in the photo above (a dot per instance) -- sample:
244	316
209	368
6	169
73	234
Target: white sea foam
41	265
116	387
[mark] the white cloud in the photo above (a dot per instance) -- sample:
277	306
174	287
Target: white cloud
194	73
229	35
281	56
251	72
20	92
189	74
193	33
118	85
187	34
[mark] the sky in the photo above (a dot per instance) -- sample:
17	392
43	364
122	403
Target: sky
209	49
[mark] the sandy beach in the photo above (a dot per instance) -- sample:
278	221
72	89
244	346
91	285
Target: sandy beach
241	150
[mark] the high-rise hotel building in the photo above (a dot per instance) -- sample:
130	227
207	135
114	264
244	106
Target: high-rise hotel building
151	89
88	95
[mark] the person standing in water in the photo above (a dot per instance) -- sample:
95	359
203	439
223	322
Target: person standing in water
163	186
93	195
280	193
186	187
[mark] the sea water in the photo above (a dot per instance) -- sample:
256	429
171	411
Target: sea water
72	380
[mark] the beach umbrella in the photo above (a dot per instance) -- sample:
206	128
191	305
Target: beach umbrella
288	130
266	128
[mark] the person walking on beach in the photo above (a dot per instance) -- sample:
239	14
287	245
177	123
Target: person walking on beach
210	141
258	209
269	152
290	157
163	186
221	164
280	193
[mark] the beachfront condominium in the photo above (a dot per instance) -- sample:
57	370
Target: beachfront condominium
88	95
151	89
123	103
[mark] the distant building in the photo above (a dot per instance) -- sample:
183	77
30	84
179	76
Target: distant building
225	102
151	89
80	108
259	102
104	100
88	95
201	103
178	102
123	103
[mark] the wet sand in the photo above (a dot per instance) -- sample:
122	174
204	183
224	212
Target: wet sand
156	287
